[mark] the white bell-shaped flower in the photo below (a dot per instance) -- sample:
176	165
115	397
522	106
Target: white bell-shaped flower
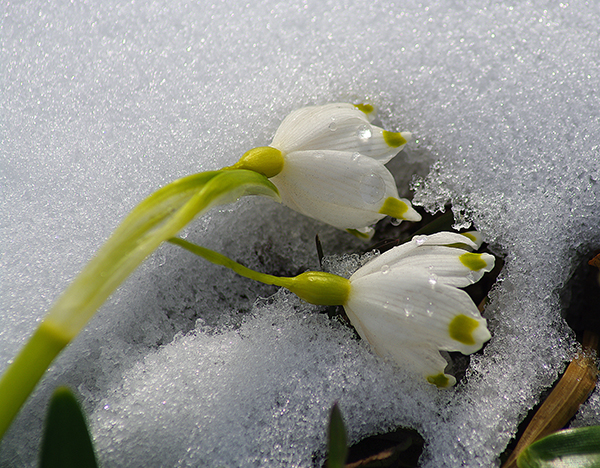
407	305
331	166
334	167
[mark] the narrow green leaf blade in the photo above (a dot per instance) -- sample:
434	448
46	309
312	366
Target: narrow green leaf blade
66	442
572	448
337	439
159	217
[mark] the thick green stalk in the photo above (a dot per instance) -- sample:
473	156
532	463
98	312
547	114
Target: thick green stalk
159	217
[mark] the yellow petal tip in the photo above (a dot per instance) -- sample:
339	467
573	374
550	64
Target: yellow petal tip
440	380
366	108
461	329
395	140
473	261
399	209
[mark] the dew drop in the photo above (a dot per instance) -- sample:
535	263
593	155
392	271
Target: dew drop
318	155
409	308
385	269
372	188
419	240
364	132
396	222
432	280
356	156
333	126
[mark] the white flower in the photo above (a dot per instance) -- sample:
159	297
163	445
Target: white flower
334	167
407	305
331	166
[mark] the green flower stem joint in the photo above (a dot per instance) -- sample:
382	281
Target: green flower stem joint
315	287
406	303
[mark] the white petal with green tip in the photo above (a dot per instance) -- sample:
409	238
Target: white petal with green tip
451	266
343	189
340	127
420	246
406	302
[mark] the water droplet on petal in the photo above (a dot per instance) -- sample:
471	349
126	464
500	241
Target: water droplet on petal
364	132
408	308
333	126
385	269
356	156
318	155
432	280
396	222
419	240
372	188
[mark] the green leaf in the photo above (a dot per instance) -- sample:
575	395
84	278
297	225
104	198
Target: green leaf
159	217
571	448
337	441
66	441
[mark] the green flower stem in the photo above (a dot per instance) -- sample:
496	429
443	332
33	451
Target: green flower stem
219	259
316	287
156	219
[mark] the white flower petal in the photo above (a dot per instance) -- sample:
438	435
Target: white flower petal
446	238
419	245
448	265
302	127
342	189
405	301
416	356
339	127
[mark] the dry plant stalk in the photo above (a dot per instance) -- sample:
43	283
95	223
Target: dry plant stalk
571	391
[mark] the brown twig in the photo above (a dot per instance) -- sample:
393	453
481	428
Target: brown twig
575	386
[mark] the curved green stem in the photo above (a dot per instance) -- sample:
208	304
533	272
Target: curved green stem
219	259
316	287
159	217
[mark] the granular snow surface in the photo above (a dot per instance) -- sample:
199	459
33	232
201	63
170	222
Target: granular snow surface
103	102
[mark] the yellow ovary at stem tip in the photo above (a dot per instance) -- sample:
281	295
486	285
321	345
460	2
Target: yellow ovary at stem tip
265	160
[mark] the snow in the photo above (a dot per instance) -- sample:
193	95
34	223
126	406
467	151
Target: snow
103	102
